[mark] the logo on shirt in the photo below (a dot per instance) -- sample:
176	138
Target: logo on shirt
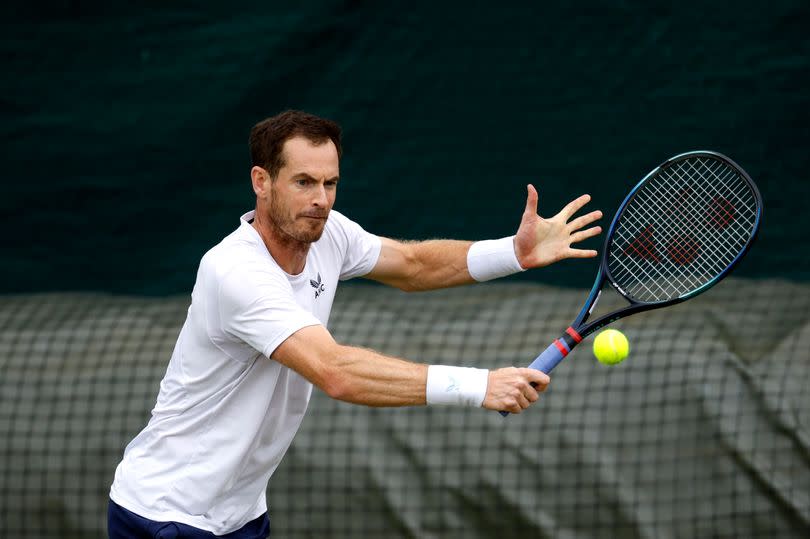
318	286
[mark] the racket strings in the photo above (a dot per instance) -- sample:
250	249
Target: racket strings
682	248
684	226
686	221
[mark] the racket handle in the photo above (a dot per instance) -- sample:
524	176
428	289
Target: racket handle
549	359
546	361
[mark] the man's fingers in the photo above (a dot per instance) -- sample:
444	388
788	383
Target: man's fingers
531	200
585	234
581	253
514	409
520	402
523	401
538	379
574	206
585	220
514	389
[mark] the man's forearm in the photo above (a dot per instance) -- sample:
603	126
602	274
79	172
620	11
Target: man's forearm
440	264
366	377
431	264
363	376
422	265
350	373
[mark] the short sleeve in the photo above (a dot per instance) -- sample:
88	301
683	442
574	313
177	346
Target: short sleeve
258	307
361	248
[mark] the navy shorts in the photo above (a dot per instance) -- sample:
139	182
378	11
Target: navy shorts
124	524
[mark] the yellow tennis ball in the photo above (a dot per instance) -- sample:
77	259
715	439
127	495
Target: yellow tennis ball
611	347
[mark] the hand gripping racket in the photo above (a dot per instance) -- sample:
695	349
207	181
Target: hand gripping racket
681	230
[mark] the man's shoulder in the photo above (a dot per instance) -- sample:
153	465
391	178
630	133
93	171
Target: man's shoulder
237	254
337	220
341	229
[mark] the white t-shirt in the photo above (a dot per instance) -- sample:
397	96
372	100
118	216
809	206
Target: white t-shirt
226	413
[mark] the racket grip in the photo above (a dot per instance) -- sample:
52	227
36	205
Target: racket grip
549	359
545	362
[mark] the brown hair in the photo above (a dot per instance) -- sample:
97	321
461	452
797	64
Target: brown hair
267	137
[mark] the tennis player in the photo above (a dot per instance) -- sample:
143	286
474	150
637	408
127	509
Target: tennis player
255	339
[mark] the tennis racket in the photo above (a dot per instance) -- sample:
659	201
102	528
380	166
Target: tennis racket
682	229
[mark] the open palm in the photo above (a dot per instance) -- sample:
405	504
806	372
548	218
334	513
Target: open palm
540	241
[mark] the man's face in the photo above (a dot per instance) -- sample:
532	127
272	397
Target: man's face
304	192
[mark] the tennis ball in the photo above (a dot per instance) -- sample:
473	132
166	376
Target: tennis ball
611	347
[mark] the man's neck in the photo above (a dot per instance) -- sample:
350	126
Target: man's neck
289	253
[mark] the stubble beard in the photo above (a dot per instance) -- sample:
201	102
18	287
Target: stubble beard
285	225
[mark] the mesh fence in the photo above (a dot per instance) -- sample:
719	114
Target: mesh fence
704	431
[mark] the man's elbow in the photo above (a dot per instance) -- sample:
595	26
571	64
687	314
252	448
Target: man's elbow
412	269
411	285
337	387
334	380
413	280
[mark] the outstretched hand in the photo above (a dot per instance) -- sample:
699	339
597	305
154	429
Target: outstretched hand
540	241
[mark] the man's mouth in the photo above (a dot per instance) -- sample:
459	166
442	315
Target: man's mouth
317	216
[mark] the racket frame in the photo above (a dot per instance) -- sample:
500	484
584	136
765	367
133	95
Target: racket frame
583	328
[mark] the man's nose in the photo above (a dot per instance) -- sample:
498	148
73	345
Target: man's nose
319	198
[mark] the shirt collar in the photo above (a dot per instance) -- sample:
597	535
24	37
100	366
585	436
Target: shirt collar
249	216
244	223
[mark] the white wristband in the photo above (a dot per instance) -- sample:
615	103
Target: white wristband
461	386
491	259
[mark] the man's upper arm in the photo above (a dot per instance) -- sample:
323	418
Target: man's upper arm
395	265
310	352
424	265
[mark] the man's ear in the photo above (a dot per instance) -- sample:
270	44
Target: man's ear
259	179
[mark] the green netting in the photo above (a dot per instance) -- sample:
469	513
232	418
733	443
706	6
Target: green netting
703	432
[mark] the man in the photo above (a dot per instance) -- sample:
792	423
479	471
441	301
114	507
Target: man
255	339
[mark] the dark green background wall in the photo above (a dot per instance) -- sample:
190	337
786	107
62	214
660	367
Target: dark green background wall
124	129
